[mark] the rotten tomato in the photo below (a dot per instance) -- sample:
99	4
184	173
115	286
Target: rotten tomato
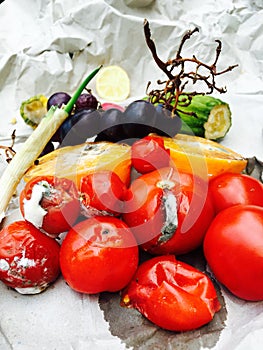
168	211
149	154
102	193
172	294
29	259
50	203
99	254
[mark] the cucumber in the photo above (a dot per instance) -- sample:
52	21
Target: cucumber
33	110
211	120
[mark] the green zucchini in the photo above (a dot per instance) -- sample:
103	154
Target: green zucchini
33	110
211	117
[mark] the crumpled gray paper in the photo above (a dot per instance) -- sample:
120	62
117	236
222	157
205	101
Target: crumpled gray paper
51	45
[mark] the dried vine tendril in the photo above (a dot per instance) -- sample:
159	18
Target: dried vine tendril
173	95
9	151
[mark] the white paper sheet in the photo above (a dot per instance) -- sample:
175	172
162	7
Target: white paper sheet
37	38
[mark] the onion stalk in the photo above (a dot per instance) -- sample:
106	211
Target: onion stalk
34	145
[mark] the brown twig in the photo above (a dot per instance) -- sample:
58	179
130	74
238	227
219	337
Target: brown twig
9	151
173	94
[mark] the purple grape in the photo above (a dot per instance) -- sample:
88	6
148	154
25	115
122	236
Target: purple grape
85	101
111	126
142	118
48	148
165	123
58	99
139	119
80	126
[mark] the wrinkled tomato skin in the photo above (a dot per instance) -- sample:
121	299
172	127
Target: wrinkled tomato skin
99	254
103	191
62	209
28	257
182	241
171	294
233	247
149	154
230	189
144	214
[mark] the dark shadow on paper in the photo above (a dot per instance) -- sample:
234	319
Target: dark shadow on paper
137	332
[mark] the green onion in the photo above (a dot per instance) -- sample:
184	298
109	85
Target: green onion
33	147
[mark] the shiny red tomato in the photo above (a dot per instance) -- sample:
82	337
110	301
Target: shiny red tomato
99	254
172	294
233	247
229	189
29	259
102	193
50	203
149	154
168	212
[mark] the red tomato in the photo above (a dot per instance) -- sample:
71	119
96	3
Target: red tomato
172	294
233	247
29	259
109	105
50	203
102	193
168	212
99	254
230	189
149	154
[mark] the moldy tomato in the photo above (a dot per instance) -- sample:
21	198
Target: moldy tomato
168	212
29	259
99	254
229	189
50	203
102	193
233	247
149	154
172	294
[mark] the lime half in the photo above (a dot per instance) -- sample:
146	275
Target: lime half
113	84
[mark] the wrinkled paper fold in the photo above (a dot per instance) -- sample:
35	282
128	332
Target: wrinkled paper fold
48	46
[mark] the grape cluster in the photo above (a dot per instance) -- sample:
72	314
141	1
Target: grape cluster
89	121
85	104
139	119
